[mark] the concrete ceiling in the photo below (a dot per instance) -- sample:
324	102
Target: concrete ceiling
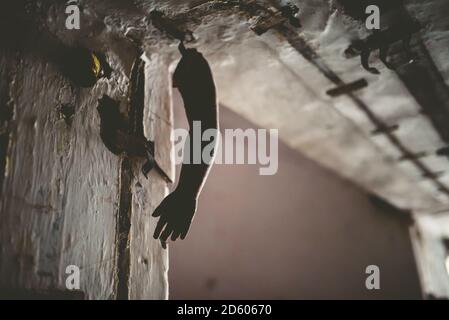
266	80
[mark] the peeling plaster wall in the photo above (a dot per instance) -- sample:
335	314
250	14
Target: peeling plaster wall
60	200
60	196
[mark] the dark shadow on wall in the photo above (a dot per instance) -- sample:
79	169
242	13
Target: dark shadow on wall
303	233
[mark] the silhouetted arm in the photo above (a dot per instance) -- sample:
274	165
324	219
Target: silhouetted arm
194	80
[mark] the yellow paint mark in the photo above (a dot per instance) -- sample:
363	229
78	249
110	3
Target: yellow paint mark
96	67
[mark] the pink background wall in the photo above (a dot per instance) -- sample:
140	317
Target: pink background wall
303	233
